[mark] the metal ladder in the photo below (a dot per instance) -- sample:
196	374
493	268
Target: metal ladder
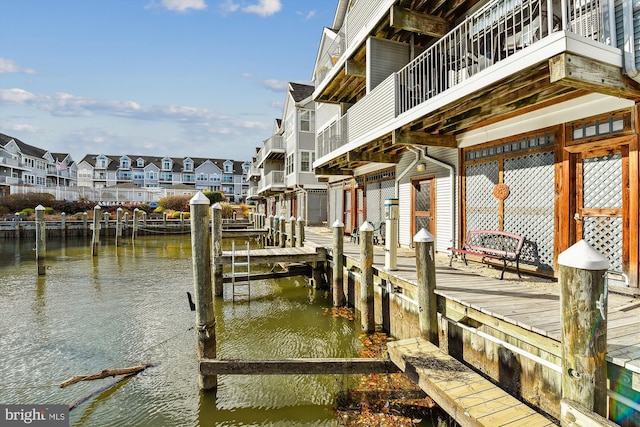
242	288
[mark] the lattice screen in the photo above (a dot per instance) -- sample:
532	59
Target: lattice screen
528	211
335	202
374	202
604	234
347	214
481	206
602	182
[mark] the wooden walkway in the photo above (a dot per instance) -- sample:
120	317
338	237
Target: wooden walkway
511	304
276	255
467	396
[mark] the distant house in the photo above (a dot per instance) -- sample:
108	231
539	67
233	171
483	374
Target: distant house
151	172
281	173
23	165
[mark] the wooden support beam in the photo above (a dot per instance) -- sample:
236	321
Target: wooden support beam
315	366
405	19
355	68
365	156
422	138
332	171
589	74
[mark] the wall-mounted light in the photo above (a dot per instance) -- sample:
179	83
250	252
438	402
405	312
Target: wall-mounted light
420	167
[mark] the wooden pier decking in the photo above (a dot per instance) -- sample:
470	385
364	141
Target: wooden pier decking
276	255
522	315
469	397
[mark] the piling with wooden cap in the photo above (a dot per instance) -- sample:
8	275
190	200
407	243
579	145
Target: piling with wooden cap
41	240
292	231
203	296
366	277
426	278
338	264
300	232
583	301
95	237
216	232
283	232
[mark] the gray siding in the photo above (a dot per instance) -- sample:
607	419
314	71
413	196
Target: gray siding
378	109
384	57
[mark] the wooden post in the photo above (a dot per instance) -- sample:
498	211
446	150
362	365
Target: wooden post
300	232
144	219
201	257
427	298
283	237
271	231
182	221
118	224
95	240
366	277
106	224
41	240
216	231
276	231
125	223
134	233
16	218
63	224
164	221
583	301
85	223
292	232
338	264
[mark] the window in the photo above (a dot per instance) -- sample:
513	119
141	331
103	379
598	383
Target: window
215	177
124	163
188	166
307	121
228	167
124	175
152	175
166	164
101	162
166	176
203	177
289	163
41	165
28	179
306	160
40	180
140	163
188	177
138	175
30	163
227	178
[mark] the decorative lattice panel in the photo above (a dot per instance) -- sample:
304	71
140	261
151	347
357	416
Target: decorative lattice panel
387	191
604	234
528	211
335	202
348	212
602	182
373	202
481	207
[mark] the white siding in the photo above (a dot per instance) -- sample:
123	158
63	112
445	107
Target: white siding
384	57
446	213
375	109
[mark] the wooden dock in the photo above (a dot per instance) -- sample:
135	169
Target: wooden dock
275	255
468	397
297	366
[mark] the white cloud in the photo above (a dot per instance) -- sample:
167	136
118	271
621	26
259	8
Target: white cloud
264	7
182	6
275	85
22	127
307	16
9	66
229	6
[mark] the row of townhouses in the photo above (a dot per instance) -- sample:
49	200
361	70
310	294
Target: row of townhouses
115	178
281	177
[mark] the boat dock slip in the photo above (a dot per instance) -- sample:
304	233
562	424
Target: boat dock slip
468	397
297	366
275	255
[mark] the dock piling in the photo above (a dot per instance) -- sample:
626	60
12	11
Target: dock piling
63	225
283	232
300	232
216	232
583	301
134	232
366	277
201	257
292	232
426	278
95	239
41	240
118	224
338	264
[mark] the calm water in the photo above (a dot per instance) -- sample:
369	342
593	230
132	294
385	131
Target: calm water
128	306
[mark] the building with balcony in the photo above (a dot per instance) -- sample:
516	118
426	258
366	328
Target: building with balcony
99	171
32	168
438	107
282	169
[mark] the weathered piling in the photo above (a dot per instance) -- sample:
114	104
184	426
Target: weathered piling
16	219
164	220
118	224
85	223
201	257
181	220
106	223
216	232
41	240
276	231
134	231
270	234
366	277
426	278
300	233
338	264
292	232
95	239
583	301
63	225
283	232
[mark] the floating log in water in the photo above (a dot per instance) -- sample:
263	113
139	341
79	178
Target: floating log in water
106	373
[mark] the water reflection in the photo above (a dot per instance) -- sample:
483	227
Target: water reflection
128	306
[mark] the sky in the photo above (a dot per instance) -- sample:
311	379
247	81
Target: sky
181	78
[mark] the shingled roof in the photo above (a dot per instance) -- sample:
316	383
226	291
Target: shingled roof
299	91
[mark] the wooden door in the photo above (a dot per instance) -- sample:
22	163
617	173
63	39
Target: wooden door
423	205
348	218
601	214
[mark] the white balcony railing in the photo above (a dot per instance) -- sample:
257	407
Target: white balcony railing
492	34
272	180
